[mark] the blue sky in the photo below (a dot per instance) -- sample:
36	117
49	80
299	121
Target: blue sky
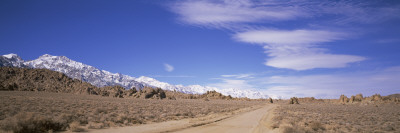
281	48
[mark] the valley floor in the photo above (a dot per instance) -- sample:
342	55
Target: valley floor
335	117
245	120
41	111
23	111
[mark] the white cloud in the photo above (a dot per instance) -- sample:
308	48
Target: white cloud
224	13
361	12
168	67
312	60
288	37
384	81
239	76
333	85
171	76
291	49
231	83
298	49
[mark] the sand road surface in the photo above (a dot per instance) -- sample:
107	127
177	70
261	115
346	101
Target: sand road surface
249	122
252	120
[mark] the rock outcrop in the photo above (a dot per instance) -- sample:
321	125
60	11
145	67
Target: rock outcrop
27	79
376	98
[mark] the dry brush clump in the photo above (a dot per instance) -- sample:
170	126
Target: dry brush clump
270	100
330	117
294	100
311	100
26	111
24	122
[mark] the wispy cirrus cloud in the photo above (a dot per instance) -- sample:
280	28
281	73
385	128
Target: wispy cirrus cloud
168	67
232	83
238	76
294	35
226	13
288	37
171	76
298	49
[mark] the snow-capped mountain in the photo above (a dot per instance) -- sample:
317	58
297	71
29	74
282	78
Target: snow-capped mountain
83	72
193	89
198	89
11	60
102	78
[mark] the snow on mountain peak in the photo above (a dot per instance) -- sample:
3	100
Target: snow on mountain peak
101	78
11	55
83	72
198	89
12	60
46	56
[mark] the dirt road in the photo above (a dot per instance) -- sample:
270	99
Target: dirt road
244	123
251	121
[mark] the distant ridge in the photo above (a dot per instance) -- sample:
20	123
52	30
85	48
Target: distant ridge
83	72
101	78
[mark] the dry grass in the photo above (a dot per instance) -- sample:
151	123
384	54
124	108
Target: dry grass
330	117
24	111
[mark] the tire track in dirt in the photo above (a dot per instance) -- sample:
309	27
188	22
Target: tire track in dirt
242	121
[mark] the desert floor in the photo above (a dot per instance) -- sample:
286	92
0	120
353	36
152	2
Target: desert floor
24	111
242	121
39	111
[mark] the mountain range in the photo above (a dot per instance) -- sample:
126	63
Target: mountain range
103	78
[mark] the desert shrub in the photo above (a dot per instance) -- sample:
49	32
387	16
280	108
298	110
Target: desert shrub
76	127
33	123
95	125
287	128
330	117
316	126
294	100
270	100
101	110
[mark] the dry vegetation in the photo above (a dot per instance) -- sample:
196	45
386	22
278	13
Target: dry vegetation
357	114
27	111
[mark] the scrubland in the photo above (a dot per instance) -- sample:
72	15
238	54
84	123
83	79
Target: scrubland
27	111
333	116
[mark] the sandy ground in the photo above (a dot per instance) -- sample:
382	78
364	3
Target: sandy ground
244	123
249	120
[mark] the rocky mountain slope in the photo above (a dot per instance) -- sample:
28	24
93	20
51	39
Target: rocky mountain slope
11	60
101	78
83	72
28	79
